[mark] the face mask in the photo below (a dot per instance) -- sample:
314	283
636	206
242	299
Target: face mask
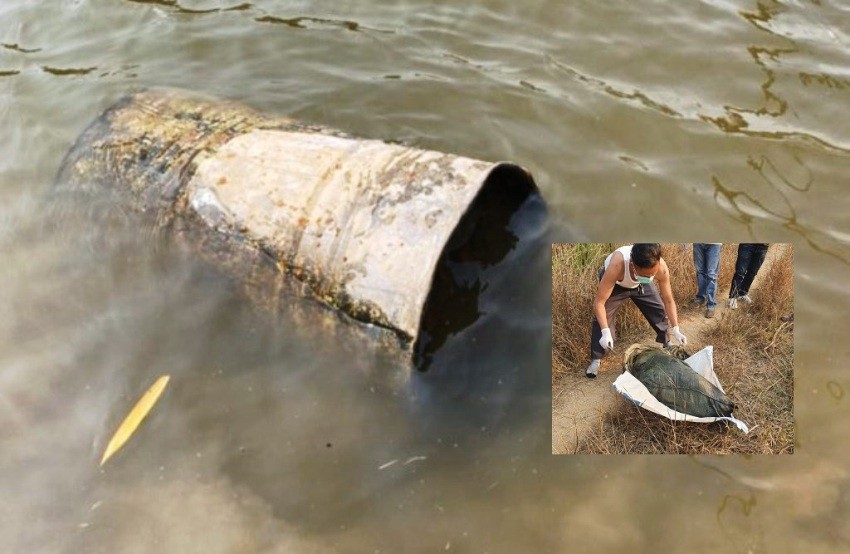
643	280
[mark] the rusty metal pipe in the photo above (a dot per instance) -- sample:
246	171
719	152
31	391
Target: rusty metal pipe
364	223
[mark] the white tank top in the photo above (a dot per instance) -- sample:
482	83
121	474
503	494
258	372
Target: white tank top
626	282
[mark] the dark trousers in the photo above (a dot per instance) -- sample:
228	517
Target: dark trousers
750	258
648	301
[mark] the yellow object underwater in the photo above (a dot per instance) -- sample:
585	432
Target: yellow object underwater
135	417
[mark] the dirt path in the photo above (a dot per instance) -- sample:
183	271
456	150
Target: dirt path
580	404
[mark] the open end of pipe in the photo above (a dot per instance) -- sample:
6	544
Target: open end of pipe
481	240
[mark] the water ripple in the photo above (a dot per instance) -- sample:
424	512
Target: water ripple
237	8
767	198
611	90
64	71
824	79
308	22
760	121
17	48
531	86
155	2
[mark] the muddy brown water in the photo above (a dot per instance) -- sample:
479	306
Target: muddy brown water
661	121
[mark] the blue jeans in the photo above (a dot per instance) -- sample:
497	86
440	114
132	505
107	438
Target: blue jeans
707	263
750	258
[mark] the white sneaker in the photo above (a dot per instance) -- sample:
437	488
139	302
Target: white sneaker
592	369
733	303
746	299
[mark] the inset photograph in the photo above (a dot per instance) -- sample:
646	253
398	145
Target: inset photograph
672	348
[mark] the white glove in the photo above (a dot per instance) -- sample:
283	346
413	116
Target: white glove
607	341
679	336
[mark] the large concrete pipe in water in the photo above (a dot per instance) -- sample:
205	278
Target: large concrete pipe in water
373	228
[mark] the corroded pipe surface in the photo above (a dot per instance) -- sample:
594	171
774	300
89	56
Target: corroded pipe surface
363	223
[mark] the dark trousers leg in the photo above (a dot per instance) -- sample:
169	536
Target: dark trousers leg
699	265
756	259
649	303
618	296
745	252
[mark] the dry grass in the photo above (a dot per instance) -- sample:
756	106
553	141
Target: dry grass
753	358
574	279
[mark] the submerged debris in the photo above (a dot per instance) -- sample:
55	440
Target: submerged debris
134	418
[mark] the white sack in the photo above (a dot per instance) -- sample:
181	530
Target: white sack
703	363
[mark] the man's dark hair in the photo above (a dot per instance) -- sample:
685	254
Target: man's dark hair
646	255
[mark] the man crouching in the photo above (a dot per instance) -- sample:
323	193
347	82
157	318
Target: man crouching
629	272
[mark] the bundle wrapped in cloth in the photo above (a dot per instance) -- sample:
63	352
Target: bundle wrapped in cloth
674	385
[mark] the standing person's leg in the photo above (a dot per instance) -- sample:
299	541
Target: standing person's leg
712	265
741	265
699	266
756	260
649	303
